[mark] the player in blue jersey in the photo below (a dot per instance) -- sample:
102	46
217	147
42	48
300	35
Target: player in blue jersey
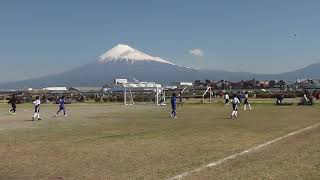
173	106
61	103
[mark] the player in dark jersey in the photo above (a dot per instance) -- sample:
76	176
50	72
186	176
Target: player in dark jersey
13	101
173	106
247	104
61	103
180	99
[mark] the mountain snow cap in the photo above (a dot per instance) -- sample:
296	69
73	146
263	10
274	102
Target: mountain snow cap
123	52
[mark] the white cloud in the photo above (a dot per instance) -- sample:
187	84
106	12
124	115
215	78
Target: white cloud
197	52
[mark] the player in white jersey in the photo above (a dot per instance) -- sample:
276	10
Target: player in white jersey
235	102
36	104
226	99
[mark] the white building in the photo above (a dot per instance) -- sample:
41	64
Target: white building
55	89
120	81
171	87
142	85
185	83
136	84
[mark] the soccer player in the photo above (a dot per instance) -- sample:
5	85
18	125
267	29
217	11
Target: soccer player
305	98
13	101
36	103
173	106
180	99
246	102
61	102
235	102
226	99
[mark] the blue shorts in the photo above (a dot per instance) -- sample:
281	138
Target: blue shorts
61	108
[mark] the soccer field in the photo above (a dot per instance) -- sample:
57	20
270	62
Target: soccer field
112	141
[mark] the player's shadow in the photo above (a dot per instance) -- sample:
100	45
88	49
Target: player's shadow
223	118
161	117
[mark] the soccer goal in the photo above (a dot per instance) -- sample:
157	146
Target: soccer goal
205	94
160	97
127	97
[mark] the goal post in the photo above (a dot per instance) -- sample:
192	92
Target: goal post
183	90
208	90
160	96
130	100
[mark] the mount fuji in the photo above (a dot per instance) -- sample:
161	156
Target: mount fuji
123	61
128	54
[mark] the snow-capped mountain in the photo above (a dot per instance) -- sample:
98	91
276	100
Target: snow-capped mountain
123	52
122	61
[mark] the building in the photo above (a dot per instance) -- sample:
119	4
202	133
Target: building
86	89
136	84
55	89
185	84
120	81
277	84
142	85
263	83
171	87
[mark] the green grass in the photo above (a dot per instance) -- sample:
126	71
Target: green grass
112	141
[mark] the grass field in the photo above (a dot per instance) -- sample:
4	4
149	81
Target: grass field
113	141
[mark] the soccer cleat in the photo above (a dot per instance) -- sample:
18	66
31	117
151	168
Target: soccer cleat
65	115
32	118
39	119
175	117
56	115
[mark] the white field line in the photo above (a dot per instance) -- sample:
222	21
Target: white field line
251	150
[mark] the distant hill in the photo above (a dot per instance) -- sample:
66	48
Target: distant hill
310	72
123	61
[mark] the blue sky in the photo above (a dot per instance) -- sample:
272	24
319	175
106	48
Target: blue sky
39	37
